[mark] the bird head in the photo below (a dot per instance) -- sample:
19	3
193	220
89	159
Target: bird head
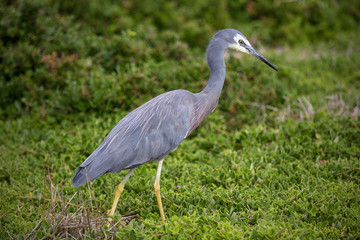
237	41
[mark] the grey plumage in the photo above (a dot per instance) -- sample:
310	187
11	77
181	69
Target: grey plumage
156	128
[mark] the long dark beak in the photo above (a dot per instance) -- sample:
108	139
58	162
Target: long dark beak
253	52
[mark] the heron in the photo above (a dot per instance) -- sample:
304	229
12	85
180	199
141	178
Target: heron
156	128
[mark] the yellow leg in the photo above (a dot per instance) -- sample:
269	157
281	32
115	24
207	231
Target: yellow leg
119	190
157	189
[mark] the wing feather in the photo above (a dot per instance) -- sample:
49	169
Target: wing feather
148	133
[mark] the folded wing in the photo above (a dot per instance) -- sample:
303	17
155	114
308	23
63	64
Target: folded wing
148	133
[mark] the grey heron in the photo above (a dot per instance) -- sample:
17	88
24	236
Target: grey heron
156	128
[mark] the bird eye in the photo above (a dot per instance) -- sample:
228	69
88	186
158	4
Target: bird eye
241	42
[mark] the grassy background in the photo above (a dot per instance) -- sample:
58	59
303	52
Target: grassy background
278	158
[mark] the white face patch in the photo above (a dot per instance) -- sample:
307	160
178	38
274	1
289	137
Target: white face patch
239	37
236	46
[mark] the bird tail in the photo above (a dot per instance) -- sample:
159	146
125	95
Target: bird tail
80	177
85	174
95	166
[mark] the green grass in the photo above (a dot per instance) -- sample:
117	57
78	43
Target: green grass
297	179
279	158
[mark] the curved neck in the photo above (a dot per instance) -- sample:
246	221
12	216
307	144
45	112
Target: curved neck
215	59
